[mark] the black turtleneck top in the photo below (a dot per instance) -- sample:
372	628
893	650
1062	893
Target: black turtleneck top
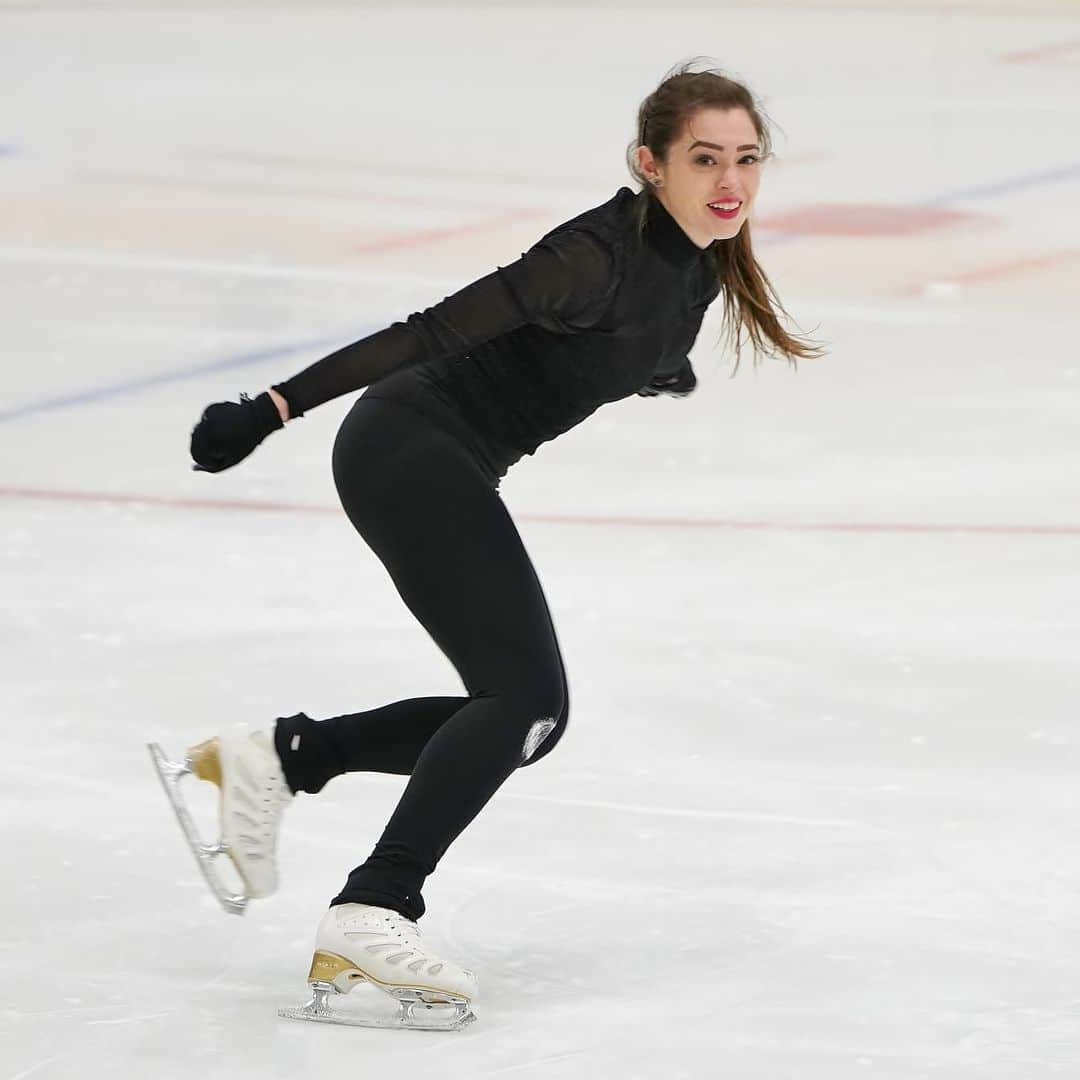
592	313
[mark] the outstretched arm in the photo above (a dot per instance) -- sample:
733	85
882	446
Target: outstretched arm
562	283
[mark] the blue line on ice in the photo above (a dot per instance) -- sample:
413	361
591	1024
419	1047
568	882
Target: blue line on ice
88	397
93	395
1004	187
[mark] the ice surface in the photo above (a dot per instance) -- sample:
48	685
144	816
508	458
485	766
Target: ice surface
815	815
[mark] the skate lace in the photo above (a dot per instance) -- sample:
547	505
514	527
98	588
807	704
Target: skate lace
394	936
396	939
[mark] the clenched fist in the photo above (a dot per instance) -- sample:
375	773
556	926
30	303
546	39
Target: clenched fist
228	431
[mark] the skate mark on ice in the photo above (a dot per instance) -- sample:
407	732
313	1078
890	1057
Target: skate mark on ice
744	816
536	1062
40	1065
138	1018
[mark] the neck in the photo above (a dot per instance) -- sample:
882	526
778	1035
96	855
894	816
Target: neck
666	234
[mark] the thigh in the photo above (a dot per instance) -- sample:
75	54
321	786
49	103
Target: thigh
450	546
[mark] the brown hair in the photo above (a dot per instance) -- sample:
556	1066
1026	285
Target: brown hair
751	305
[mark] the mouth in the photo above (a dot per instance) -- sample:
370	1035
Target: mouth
727	209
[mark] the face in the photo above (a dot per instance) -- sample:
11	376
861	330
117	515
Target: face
711	176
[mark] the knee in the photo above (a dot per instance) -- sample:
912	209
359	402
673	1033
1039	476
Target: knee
534	695
546	710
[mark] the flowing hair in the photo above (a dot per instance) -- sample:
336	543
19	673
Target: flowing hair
752	309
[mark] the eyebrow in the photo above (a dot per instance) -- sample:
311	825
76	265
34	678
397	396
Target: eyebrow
717	146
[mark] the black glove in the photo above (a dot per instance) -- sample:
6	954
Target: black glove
228	432
678	385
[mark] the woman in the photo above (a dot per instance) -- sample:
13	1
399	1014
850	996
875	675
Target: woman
604	306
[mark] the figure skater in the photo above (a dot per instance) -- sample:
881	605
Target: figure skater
604	306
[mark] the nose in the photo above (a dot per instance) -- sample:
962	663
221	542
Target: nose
727	178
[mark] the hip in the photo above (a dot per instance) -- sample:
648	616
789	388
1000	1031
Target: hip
413	391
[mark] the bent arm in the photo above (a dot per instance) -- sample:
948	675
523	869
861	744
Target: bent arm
562	283
674	375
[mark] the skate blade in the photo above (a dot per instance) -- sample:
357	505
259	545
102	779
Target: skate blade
413	1013
170	773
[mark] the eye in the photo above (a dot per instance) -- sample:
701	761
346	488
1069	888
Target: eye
749	159
705	159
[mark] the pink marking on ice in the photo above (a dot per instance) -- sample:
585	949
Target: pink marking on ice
1043	54
999	270
864	219
412	239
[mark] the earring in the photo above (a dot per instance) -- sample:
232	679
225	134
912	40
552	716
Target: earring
658	182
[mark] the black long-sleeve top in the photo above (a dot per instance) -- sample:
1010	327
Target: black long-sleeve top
590	314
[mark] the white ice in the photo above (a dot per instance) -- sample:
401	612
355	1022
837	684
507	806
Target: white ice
816	814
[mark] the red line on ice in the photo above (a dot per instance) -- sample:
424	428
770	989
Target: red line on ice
1040	55
998	271
595	520
430	236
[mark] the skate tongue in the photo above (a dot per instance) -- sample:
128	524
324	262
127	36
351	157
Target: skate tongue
382	912
372	914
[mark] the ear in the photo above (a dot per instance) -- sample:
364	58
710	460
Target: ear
646	162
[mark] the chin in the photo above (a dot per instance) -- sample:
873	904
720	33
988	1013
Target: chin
730	232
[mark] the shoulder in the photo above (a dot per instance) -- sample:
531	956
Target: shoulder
599	240
613	212
580	252
606	225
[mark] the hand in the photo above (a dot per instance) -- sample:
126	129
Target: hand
227	432
680	384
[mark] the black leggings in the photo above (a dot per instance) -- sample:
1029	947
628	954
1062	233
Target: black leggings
427	510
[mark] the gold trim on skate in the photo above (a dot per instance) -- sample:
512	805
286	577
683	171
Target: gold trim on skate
205	760
329	967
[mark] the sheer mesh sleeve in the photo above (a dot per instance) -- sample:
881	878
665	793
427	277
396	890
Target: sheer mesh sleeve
563	283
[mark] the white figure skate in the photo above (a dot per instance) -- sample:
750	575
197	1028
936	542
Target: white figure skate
358	943
245	766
